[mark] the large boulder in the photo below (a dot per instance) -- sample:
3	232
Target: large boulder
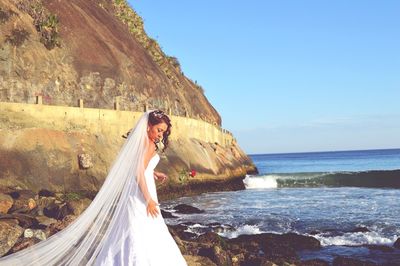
6	202
187	209
397	243
10	231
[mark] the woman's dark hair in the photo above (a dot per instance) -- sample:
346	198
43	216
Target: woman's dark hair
156	117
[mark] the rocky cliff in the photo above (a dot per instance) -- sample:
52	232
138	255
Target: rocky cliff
96	51
72	149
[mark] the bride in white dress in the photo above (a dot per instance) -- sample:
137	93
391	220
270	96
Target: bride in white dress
123	225
147	239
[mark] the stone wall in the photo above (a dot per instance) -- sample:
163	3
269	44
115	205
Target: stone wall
114	122
41	146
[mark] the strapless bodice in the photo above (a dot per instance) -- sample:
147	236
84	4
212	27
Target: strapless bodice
149	175
153	163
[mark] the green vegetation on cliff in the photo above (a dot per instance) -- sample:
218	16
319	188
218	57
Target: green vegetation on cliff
45	22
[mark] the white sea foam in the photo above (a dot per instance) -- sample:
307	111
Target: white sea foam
198	226
265	181
355	239
241	230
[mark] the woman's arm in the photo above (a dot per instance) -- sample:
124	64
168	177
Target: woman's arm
151	204
160	176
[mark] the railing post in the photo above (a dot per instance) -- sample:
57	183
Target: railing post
116	102
39	99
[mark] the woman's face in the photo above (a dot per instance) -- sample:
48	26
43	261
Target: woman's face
155	132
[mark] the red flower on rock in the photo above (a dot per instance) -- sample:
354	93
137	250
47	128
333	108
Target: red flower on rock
192	173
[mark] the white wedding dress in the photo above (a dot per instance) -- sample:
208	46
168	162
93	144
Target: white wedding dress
114	230
147	240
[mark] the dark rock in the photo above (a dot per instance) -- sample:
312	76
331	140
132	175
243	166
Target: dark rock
24	201
187	235
44	221
59	225
314	262
212	238
76	207
397	243
198	260
44	202
166	214
284	247
24	193
53	210
214	224
64	211
360	229
279	252
253	260
344	261
380	248
9	234
329	232
23	220
217	254
46	193
301	242
179	230
187	209
275	247
298	242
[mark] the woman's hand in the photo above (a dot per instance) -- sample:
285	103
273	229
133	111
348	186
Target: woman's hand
152	208
160	176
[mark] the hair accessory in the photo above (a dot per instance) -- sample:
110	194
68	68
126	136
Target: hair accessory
158	113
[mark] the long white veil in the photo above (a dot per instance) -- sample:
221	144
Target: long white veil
89	236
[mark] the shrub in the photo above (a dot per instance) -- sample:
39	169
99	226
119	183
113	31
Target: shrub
49	31
5	15
17	37
45	22
175	62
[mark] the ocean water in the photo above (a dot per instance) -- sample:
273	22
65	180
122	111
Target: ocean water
346	200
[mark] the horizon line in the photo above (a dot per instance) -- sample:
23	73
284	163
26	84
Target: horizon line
323	151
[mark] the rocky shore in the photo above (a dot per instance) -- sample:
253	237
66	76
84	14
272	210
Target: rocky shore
27	218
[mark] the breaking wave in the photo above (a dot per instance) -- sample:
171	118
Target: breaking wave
372	179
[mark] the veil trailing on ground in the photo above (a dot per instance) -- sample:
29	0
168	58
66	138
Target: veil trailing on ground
83	241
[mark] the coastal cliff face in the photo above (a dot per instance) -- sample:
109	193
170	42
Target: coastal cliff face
97	51
93	50
41	147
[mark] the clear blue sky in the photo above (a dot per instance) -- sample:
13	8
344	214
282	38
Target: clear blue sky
290	76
